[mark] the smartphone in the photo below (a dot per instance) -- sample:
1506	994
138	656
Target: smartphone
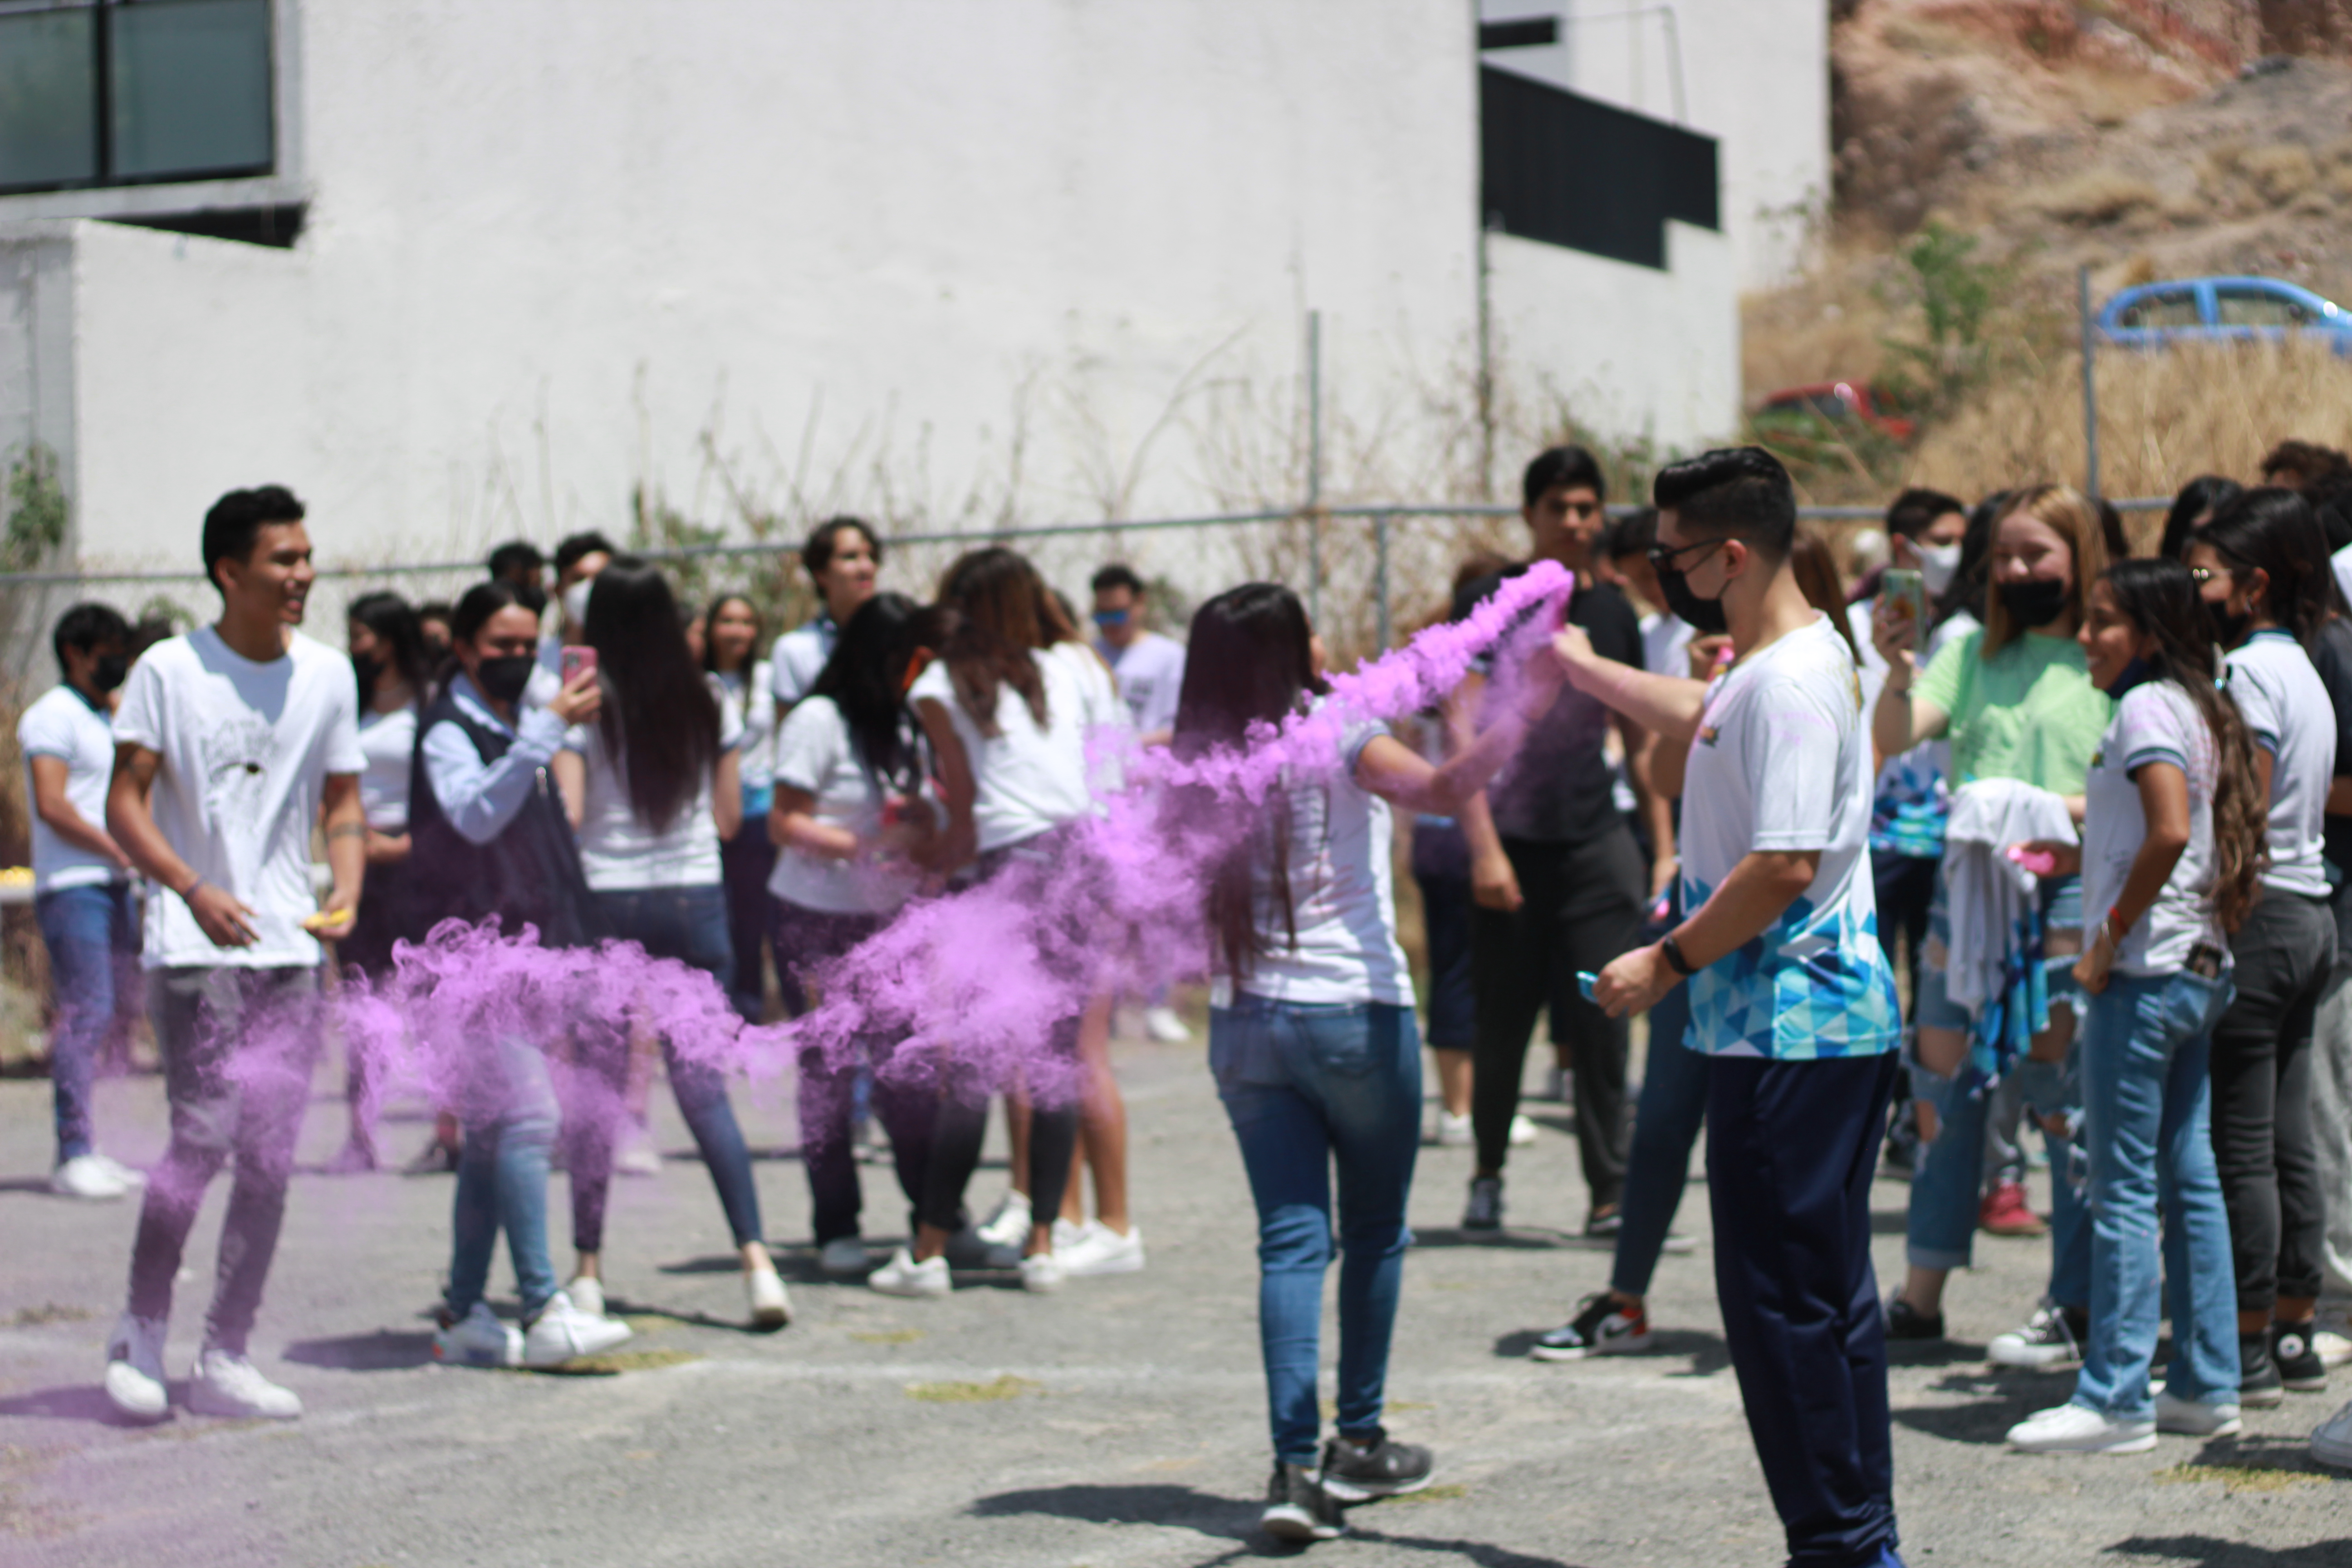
1908	592
576	660
1585	979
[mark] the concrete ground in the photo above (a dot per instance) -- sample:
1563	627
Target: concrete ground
1121	1421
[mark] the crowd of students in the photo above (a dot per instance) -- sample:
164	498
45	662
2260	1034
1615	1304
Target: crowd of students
2098	806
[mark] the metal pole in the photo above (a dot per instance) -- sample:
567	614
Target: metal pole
1381	575
1314	466
2090	385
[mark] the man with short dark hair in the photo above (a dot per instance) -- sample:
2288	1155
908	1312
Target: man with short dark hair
843	559
519	564
1789	992
231	744
1557	881
81	884
1149	666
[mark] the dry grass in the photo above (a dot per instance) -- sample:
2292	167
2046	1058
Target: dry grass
1829	326
2099	196
1004	1387
2163	418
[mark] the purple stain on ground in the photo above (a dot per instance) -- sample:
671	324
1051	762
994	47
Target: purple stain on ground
964	988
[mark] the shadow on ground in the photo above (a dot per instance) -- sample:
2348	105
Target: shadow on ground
2205	1551
1708	1355
1227	1519
75	1402
381	1351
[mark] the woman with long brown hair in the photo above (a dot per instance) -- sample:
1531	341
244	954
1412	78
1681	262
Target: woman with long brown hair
2171	857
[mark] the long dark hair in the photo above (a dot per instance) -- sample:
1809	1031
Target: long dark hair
863	679
2206	492
2159	597
998	597
1249	661
395	625
1965	591
659	721
2272	531
710	619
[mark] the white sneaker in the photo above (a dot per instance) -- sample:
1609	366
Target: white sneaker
230	1386
1041	1274
902	1276
771	1306
2334	1349
1523	1132
480	1338
1454	1132
1009	1226
2192	1418
638	1157
587	1294
2331	1443
86	1176
128	1175
562	1333
2072	1429
1099	1249
1066	1235
844	1257
134	1369
1164	1027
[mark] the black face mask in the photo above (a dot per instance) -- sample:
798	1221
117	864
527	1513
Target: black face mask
2229	630
507	677
1704	616
2035	602
370	671
111	670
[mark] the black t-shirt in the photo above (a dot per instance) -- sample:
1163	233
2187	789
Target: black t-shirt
1559	789
2331	657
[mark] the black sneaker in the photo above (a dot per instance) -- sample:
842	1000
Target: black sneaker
1484	1211
1905	1321
2050	1340
1298	1507
2298	1363
1354	1472
1600	1327
2260	1386
1604	1227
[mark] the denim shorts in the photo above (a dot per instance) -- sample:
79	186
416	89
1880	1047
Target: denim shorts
2061	910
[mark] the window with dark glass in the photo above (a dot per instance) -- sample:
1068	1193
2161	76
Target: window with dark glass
119	92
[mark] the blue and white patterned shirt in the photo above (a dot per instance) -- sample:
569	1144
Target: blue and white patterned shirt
1781	763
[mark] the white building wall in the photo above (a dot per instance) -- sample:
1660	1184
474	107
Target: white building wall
946	263
1755	75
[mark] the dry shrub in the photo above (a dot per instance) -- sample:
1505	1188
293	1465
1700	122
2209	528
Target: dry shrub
2099	196
2163	417
2239	179
1828	326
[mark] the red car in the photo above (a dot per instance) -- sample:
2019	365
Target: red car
1842	403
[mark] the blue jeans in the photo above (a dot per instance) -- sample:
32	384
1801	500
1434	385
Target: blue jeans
1666	1122
688	924
93	940
1304	1085
2145	1044
510	1115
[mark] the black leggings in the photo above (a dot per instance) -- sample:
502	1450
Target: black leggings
2263	1140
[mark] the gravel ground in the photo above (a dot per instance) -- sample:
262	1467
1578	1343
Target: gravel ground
1121	1421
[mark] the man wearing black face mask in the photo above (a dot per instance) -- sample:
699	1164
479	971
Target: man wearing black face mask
81	883
1557	878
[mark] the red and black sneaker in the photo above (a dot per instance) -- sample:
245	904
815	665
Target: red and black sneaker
1602	1326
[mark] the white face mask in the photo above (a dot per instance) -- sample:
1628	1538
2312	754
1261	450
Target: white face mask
1937	565
576	602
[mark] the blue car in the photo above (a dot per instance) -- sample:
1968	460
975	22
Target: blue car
2221	311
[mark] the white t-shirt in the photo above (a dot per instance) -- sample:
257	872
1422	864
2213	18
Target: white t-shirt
755	757
799	658
1342	898
2287	708
2342	562
62	725
618	851
1664	636
246	749
1150	671
816	754
1782	761
388	741
1106	724
1027	780
2155	723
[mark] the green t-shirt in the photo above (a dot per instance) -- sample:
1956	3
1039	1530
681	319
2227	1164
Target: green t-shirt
2032	713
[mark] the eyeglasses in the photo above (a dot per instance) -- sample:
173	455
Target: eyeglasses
1662	556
